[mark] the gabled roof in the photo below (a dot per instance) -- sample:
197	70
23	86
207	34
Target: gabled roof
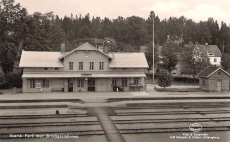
209	49
40	59
109	39
128	60
207	72
84	47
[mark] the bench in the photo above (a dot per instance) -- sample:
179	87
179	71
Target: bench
58	89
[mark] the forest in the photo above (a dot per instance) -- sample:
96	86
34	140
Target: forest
45	31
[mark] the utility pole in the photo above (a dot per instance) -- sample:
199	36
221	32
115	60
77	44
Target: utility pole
153	15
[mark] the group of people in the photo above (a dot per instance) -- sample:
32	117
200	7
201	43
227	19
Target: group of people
118	89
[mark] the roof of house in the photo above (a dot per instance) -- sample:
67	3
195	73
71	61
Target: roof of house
85	46
53	59
210	49
207	72
40	59
128	60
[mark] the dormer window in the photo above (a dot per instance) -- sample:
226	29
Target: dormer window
210	54
219	73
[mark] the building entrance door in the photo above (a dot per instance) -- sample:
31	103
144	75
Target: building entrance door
218	87
91	84
70	85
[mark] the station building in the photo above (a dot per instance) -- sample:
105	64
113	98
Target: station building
85	68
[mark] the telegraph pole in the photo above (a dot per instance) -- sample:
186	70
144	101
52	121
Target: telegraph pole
153	49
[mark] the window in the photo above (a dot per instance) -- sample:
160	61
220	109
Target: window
80	65
114	82
80	83
91	65
124	82
215	60
45	83
123	68
218	73
46	68
70	65
101	65
32	83
136	81
56	68
114	69
211	54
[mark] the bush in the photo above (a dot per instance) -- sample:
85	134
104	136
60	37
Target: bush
14	80
4	86
186	79
164	78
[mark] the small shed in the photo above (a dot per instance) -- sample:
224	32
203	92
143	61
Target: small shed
214	79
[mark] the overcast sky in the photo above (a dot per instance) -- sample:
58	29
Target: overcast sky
198	10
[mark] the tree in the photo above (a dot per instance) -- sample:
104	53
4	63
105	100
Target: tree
12	29
164	78
203	34
225	61
170	56
189	66
189	31
149	55
224	37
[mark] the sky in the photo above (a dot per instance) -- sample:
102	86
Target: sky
198	10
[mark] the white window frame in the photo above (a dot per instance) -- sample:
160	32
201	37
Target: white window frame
136	81
101	65
80	83
45	83
70	65
124	82
81	66
91	65
32	83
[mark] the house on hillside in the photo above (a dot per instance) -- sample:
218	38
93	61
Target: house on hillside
143	49
178	40
85	68
214	79
211	52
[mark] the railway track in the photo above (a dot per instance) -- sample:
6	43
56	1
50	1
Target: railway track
130	119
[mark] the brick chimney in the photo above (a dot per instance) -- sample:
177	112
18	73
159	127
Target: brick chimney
63	47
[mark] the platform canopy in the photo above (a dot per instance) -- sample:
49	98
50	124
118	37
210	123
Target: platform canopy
78	75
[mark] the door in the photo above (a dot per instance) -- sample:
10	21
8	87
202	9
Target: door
70	85
91	84
218	87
